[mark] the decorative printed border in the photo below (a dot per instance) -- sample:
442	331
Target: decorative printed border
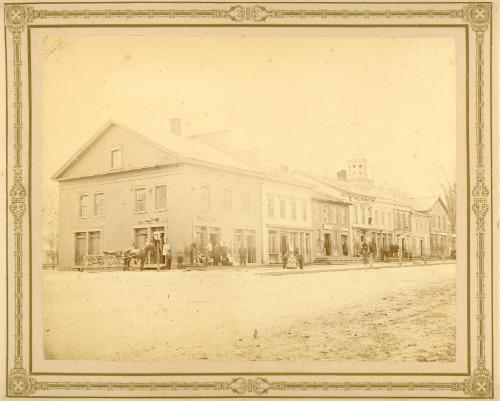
18	16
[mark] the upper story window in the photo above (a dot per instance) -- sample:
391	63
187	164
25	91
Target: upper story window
205	198
355	214
116	158
228	200
382	217
304	211
335	219
160	197
293	209
99	204
343	217
326	214
245	202
84	199
363	219
140	200
270	207
282	208
376	216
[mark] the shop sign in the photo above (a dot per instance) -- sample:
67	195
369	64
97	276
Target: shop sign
327	226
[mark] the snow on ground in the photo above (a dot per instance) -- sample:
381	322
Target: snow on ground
397	314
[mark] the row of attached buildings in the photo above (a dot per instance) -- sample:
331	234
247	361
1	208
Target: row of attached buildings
127	184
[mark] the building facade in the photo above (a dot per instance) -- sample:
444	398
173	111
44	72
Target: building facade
420	234
286	218
331	222
121	188
438	225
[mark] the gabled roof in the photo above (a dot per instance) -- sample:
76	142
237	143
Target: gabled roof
325	196
341	185
424	204
367	190
180	147
189	147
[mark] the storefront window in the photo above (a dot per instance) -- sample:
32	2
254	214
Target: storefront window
293	207
304	211
282	209
273	242
270	207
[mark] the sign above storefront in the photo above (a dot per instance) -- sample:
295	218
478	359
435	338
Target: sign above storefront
327	226
150	220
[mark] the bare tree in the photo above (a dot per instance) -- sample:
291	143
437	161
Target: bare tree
450	198
50	226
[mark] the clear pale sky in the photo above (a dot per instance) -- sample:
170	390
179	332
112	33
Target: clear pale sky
315	101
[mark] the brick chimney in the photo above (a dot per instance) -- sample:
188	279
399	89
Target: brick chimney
175	126
342	175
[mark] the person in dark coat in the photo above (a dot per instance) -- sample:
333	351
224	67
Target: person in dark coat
243	256
217	253
365	252
193	254
223	250
284	259
300	259
345	250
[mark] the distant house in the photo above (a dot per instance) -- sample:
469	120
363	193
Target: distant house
439	225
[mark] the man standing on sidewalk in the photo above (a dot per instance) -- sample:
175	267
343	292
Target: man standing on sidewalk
300	259
243	256
167	252
284	259
373	251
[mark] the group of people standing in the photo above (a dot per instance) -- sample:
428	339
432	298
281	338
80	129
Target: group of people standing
369	250
215	255
161	245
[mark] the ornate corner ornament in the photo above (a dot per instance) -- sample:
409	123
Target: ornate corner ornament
19	16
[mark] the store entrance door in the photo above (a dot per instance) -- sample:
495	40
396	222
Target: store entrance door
251	251
283	243
80	247
328	245
157	257
343	240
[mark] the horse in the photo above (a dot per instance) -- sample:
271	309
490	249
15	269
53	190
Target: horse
139	254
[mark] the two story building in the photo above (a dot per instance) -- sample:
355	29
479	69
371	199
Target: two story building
439	228
286	217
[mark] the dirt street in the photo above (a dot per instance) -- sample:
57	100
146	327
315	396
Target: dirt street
401	314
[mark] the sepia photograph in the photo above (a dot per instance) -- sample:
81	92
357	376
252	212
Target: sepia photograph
220	198
242	200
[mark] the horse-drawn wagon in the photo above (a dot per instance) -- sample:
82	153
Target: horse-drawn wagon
116	259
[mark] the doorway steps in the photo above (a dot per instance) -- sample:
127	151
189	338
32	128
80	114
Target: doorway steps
335	260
